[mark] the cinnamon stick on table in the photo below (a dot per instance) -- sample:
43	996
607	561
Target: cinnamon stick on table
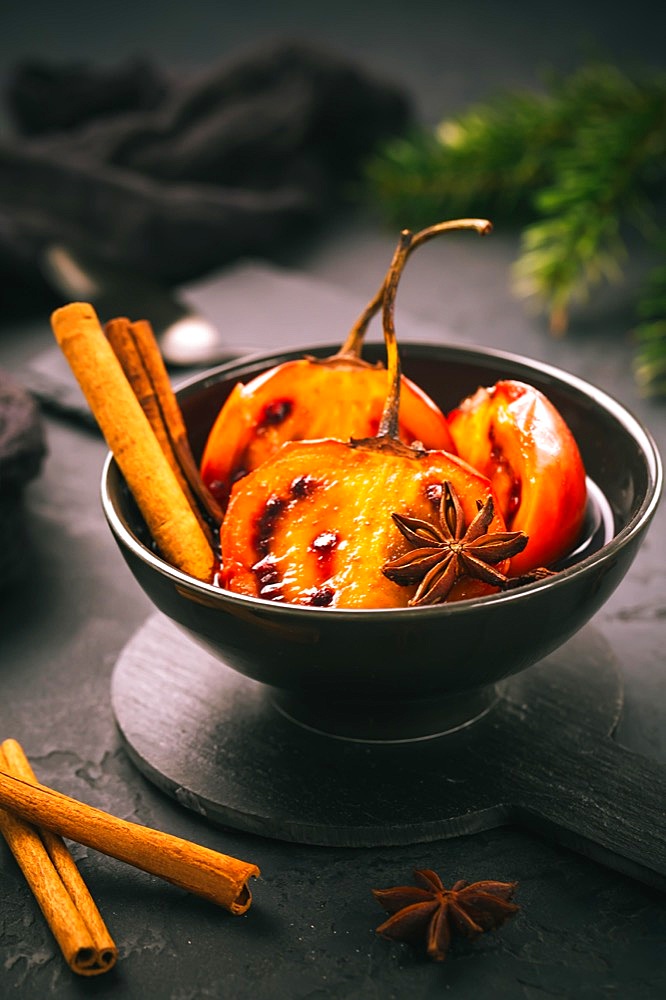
158	494
200	870
56	882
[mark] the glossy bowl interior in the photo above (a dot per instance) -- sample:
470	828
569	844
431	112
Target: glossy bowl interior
359	657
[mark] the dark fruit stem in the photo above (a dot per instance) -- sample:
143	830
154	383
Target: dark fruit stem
388	425
354	342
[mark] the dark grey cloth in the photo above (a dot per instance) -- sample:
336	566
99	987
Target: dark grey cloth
175	178
22	451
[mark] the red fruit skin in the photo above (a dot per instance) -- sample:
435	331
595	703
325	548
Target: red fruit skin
514	435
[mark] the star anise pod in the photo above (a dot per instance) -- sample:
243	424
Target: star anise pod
430	911
448	550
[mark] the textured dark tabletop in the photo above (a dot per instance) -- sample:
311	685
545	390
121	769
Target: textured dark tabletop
584	931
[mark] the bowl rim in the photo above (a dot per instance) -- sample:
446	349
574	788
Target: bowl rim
242	366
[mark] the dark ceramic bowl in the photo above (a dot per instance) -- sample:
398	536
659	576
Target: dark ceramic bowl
436	666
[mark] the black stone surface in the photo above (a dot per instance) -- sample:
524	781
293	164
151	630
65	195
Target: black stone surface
584	930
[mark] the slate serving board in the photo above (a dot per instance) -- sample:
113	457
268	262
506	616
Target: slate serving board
543	757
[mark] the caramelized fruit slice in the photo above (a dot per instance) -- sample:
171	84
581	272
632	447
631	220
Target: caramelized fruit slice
310	399
514	435
313	524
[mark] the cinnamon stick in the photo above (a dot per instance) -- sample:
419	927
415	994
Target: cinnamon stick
200	870
137	350
119	333
128	433
56	883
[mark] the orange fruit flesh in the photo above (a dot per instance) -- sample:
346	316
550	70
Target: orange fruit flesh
305	400
513	434
313	524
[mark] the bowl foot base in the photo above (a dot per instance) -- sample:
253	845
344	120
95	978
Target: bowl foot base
388	721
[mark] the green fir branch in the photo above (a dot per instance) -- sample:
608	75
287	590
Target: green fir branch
487	159
601	177
650	334
573	166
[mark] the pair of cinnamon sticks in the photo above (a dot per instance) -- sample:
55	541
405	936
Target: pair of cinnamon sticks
122	375
34	818
56	882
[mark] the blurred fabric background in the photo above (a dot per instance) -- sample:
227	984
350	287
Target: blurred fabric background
445	53
422	62
434	58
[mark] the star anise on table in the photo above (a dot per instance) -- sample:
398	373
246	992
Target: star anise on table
431	912
448	550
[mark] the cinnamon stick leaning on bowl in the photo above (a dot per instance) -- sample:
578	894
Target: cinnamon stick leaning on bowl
136	348
172	523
